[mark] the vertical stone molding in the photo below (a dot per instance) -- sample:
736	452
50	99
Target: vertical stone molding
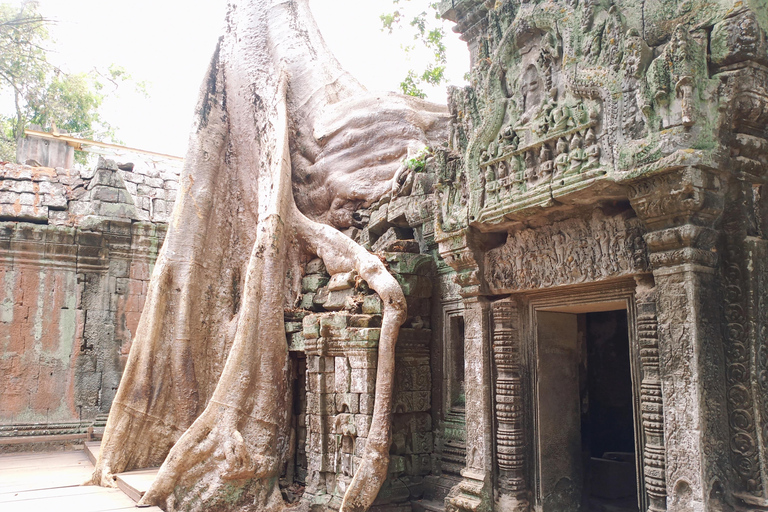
680	209
473	493
510	433
651	403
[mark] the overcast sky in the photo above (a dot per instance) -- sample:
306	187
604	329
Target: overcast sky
168	43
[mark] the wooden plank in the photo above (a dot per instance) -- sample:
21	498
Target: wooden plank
103	500
136	483
44	460
16	480
41	439
34	494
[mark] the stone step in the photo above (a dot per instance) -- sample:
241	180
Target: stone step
135	483
92	449
428	506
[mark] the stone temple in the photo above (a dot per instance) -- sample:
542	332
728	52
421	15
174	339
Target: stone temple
584	260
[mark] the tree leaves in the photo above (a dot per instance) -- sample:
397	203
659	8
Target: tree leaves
42	93
428	32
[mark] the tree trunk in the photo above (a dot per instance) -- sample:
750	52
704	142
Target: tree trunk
205	392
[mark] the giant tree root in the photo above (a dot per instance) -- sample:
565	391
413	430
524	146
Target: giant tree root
206	389
228	456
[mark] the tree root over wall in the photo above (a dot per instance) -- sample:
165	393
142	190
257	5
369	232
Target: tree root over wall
206	388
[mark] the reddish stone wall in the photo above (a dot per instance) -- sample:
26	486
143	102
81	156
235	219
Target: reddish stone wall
72	287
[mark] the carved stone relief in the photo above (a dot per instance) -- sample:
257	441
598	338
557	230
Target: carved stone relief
568	252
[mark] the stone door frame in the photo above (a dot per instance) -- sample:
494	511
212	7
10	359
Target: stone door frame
587	298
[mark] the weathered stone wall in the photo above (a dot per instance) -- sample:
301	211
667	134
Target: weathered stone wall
77	253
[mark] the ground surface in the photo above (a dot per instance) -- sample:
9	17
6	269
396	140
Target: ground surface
48	481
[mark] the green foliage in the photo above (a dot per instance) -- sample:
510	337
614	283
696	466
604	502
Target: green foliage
42	93
428	32
419	160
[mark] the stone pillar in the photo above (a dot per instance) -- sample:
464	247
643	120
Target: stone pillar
651	403
680	209
474	492
510	432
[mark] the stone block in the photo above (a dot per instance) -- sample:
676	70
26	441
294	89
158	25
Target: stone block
408	263
396	464
296	342
379	223
347	402
102	193
316	266
291	327
58	202
364	320
153	182
308	301
366	403
321	383
372	305
363	424
362	380
312	282
340	299
321	297
118	210
342	375
311	326
367	335
360	443
342	281
421	442
365	360
390	235
333	325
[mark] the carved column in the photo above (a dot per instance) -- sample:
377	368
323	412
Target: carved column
681	208
474	492
651	404
510	434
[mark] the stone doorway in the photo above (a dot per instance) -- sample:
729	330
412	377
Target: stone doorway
586	412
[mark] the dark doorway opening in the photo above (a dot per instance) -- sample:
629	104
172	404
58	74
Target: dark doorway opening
607	420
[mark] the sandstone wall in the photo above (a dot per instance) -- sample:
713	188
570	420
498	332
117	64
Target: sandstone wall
76	254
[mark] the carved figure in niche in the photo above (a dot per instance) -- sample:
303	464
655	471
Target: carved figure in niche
561	118
346	436
516	169
531	91
593	151
611	53
577	155
545	161
561	161
594	45
634	53
530	166
675	72
588	15
510	138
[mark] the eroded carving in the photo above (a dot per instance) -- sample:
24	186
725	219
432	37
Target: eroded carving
568	252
